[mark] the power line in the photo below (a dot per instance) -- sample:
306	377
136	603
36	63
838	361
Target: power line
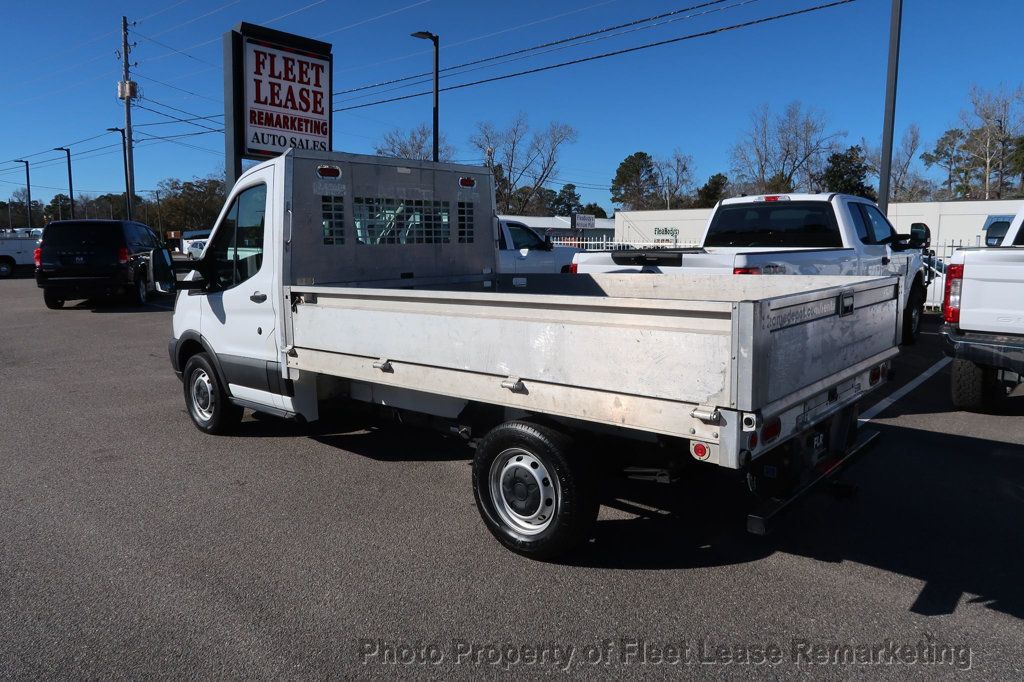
190	121
605	55
175	87
535	47
558	46
379	16
173	49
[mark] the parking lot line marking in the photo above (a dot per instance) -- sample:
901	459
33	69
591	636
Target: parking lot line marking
885	403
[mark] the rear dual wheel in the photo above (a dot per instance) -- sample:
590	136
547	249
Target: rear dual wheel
533	492
52	301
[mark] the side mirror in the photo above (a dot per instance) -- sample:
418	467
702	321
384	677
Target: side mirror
548	245
162	273
920	236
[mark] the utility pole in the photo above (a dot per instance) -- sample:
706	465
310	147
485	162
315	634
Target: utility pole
895	22
28	190
71	185
127	90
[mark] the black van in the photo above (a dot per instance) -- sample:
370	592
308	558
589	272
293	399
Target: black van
91	258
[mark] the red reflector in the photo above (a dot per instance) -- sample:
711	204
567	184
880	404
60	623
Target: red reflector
746	271
700	451
328	171
953	291
467	182
122	255
771	430
574	268
874	375
37	256
753	440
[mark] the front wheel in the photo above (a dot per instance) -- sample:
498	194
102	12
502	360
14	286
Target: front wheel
535	495
6	268
140	295
207	401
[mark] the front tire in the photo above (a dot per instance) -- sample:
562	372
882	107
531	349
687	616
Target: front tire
206	400
52	301
534	494
913	314
140	295
6	268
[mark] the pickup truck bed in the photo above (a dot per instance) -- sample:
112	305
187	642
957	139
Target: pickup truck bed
642	353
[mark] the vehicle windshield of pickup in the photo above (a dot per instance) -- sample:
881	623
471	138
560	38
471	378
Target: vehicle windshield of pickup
789	224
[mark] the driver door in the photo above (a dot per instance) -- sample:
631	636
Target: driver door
237	315
530	253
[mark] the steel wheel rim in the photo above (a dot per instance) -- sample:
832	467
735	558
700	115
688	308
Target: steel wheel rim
525	494
201	389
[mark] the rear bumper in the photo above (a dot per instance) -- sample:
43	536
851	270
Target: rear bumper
989	350
83	287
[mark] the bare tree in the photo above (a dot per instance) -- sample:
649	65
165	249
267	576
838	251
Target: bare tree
523	162
992	123
675	177
417	143
785	151
906	183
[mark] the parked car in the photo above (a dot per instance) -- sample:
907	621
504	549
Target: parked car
89	258
15	250
195	249
983	310
792	234
522	251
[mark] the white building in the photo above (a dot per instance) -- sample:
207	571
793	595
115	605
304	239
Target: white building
560	226
950	221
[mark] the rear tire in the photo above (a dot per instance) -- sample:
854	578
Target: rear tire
972	386
206	400
6	268
535	495
52	301
913	314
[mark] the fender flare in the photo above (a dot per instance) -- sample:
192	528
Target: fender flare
192	335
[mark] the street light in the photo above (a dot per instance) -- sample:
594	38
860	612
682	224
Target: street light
427	35
71	187
28	190
127	185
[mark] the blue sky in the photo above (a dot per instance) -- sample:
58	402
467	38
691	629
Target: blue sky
695	96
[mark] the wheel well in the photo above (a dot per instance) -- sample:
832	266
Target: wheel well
187	350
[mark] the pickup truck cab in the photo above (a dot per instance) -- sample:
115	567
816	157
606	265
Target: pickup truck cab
983	311
792	234
522	251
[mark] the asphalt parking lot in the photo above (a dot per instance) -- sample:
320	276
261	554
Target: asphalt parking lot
135	546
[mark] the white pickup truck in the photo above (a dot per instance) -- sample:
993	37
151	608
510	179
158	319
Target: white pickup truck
16	251
792	234
332	276
522	251
983	309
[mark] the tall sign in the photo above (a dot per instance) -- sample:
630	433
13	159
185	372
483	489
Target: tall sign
277	94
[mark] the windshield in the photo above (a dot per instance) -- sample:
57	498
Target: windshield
70	235
788	224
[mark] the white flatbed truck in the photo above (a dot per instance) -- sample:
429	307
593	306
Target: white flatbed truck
332	275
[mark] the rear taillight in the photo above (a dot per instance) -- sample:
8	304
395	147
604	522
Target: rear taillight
574	268
746	271
37	255
951	299
122	255
771	430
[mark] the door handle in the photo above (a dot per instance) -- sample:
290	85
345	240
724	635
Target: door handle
257	297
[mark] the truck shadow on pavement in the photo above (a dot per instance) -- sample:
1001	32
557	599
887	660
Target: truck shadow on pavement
947	510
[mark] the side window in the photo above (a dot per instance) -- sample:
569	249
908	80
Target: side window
877	224
522	237
236	249
859	223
